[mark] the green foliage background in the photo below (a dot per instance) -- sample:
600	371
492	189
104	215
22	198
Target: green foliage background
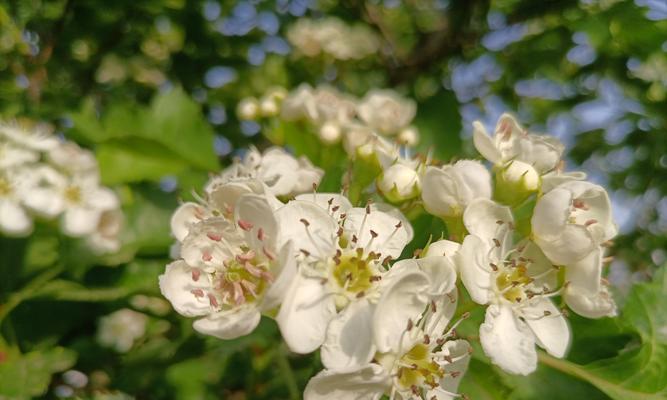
151	87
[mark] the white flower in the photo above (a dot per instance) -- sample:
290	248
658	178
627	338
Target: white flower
105	238
515	182
448	190
512	142
401	181
408	137
386	111
572	220
13	155
37	138
331	36
15	186
284	174
516	283
553	179
330	132
68	156
343	250
400	347
120	329
318	105
231	271
269	104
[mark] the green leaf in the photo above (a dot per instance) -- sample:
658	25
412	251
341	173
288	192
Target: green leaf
639	371
481	382
24	376
135	161
177	122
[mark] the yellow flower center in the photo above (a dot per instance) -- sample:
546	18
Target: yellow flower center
5	187
353	272
73	194
511	282
417	368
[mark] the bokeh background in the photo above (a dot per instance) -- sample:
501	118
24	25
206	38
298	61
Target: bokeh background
152	87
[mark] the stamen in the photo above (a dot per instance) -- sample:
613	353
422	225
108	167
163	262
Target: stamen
214	237
245	225
212	300
196	273
197	292
260	234
590	222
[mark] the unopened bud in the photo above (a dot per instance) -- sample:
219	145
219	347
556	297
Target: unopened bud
408	136
329	132
515	182
399	182
248	109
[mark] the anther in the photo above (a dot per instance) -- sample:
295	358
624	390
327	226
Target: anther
305	222
197	292
368	208
455	374
433	307
494	267
305	252
427	340
373	234
196	272
260	234
496	242
212	300
245	225
499	222
386	260
410	325
335	208
340	232
206	256
214	237
375	278
361	294
400	224
590	222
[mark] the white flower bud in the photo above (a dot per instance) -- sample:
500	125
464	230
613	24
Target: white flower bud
330	132
269	107
248	108
399	182
408	136
515	182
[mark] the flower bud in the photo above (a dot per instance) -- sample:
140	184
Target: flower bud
408	136
515	182
248	109
329	132
399	182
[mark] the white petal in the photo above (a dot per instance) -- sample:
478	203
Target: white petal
305	314
551	213
460	351
446	248
574	243
553	179
368	383
403	298
45	201
584	275
391	235
482	216
186	215
552	332
396	213
318	238
102	198
440	192
598	305
484	144
323	199
472	263
348	342
441	274
13	219
229	325
507	341
438	321
284	270
199	249
176	284
473	179
79	221
256	210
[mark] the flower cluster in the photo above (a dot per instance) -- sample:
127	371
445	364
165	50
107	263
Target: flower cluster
331	37
263	241
44	177
335	116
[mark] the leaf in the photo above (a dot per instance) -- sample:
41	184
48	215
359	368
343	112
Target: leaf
176	122
24	376
639	371
135	161
481	382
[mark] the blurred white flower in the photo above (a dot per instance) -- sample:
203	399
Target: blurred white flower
231	271
511	141
386	111
14	187
120	329
332	37
447	191
106	236
37	138
401	181
248	109
517	283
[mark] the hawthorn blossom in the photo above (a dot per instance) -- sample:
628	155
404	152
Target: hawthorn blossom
511	142
231	271
344	251
332	37
386	111
36	138
319	105
401	181
120	329
517	283
447	191
15	185
407	352
571	223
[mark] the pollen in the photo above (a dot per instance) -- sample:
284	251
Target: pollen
354	272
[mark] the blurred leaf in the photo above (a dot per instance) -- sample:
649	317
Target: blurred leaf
481	382
28	375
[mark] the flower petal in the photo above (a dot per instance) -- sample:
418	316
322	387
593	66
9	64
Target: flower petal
229	325
484	144
551	213
459	351
446	248
367	383
377	231
255	210
507	341
186	215
472	262
176	284
80	221
318	238
284	270
549	326
574	243
403	298
348	343
305	314
598	305
584	275
13	219
340	202
482	216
